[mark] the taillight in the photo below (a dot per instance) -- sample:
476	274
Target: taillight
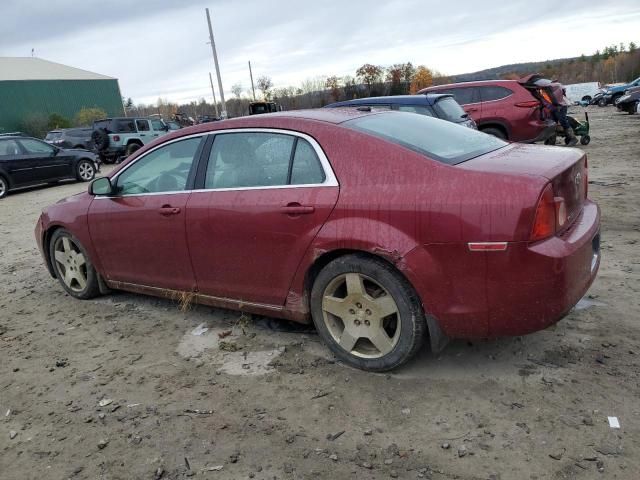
116	138
528	104
544	222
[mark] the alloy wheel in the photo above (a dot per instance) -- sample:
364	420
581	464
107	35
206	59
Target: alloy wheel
71	263
86	171
361	315
3	187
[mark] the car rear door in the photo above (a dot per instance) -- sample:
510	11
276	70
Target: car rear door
139	233
49	163
263	197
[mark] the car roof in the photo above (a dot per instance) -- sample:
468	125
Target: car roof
477	83
16	137
429	99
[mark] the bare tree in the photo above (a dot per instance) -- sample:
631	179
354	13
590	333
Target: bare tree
237	90
265	84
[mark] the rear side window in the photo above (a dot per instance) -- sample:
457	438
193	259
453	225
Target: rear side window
106	124
125	126
421	109
449	109
494	93
143	125
8	148
463	95
306	168
256	159
445	142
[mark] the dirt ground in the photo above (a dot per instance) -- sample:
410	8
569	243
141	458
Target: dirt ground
131	387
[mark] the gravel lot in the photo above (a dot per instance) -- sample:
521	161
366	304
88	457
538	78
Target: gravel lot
128	387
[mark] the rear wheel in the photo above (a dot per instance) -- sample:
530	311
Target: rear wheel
72	266
132	147
85	170
4	187
585	139
495	132
367	313
586	98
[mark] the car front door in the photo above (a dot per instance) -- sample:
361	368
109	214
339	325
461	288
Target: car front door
139	233
144	131
49	163
260	203
157	129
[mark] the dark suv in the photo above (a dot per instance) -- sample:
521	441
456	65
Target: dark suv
115	138
70	138
508	109
438	106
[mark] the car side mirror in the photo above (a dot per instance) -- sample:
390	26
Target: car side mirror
101	186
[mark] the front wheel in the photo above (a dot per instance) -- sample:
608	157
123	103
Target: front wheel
132	147
602	102
72	266
367	313
85	171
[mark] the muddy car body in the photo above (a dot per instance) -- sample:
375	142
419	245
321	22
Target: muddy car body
379	238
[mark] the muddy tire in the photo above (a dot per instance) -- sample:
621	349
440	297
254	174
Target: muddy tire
132	147
100	138
367	313
4	187
85	171
495	132
72	266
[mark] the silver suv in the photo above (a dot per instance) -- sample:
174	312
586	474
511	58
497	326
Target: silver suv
116	138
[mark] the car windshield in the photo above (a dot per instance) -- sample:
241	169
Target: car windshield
449	109
440	140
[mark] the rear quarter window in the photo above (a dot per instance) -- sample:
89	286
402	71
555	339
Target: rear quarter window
463	95
437	139
488	94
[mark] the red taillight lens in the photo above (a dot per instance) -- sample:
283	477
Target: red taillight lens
529	104
544	222
116	138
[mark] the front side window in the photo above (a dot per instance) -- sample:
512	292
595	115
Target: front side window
165	169
445	142
157	125
257	159
143	125
36	147
9	148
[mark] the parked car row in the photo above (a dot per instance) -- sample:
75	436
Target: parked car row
384	228
26	161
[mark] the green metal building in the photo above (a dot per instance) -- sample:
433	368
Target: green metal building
32	86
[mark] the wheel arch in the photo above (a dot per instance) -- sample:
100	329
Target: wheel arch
497	125
7	177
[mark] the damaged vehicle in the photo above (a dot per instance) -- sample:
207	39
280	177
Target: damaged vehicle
381	235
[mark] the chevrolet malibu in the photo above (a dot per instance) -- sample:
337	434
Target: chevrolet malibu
384	229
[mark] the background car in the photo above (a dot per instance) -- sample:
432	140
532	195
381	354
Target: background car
70	138
434	105
26	161
629	101
613	93
507	109
383	228
115	138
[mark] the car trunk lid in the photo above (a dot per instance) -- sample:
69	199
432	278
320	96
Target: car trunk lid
564	168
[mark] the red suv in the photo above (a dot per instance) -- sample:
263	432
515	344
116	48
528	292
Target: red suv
509	109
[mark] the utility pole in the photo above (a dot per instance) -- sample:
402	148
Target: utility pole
223	114
215	102
252	87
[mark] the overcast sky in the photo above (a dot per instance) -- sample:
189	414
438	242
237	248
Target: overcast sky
158	48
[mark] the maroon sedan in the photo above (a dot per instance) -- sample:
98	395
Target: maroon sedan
383	228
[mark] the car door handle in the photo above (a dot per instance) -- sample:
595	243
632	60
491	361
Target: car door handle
143	134
167	210
297	209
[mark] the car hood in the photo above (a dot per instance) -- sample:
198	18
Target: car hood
78	197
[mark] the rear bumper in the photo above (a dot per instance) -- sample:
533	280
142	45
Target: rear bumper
533	286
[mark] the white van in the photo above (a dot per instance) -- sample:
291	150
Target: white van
577	92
